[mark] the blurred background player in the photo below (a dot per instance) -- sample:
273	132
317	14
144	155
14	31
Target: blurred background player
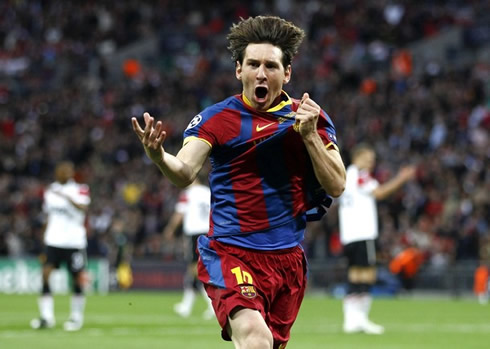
192	213
358	221
65	238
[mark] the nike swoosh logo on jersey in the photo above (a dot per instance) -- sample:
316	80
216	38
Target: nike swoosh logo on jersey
259	128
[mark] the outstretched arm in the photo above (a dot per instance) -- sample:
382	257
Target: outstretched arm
182	169
388	188
327	163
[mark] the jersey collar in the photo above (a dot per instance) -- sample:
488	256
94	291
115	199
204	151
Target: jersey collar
285	100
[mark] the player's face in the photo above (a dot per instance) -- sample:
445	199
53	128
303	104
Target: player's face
64	172
262	74
369	160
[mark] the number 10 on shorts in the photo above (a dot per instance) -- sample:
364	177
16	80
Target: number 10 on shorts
242	277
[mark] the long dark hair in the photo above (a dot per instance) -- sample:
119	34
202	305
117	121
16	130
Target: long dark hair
265	29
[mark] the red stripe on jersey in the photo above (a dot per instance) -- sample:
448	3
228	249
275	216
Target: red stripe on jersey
211	224
262	128
221	127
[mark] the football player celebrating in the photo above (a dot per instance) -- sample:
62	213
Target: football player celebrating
273	159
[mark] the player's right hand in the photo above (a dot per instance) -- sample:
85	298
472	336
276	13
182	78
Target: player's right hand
407	173
151	137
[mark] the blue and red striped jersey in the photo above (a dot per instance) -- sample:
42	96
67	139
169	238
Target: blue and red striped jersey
261	176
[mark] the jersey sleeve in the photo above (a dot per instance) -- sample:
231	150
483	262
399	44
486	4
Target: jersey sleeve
326	130
204	126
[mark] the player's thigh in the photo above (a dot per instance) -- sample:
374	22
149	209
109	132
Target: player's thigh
360	253
53	257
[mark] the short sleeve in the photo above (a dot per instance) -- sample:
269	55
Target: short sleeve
326	130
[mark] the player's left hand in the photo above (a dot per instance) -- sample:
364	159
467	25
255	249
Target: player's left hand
307	116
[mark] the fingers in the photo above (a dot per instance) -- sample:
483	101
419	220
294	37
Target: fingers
308	103
412	172
152	135
408	173
136	127
147	117
307	108
157	136
304	98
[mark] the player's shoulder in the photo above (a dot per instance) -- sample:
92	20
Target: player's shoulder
227	106
352	168
79	188
230	103
352	171
52	186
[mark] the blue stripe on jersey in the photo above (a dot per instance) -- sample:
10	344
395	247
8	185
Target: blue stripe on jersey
223	208
285	236
275	179
246	126
211	261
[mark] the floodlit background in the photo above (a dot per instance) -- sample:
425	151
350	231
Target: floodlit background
410	77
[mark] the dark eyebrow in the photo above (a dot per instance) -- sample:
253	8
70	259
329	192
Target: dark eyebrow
252	60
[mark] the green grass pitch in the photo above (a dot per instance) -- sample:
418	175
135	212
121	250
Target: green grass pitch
146	320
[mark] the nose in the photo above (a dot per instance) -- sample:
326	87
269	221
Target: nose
261	72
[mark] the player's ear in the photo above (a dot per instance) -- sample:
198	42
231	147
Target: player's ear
238	70
287	74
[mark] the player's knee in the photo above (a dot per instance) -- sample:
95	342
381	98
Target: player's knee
46	271
255	337
77	288
252	335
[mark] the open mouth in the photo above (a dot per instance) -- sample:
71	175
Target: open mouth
260	92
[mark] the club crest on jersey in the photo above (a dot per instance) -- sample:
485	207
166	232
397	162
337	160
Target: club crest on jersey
195	121
248	291
286	117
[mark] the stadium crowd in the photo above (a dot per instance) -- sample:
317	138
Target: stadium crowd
59	100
